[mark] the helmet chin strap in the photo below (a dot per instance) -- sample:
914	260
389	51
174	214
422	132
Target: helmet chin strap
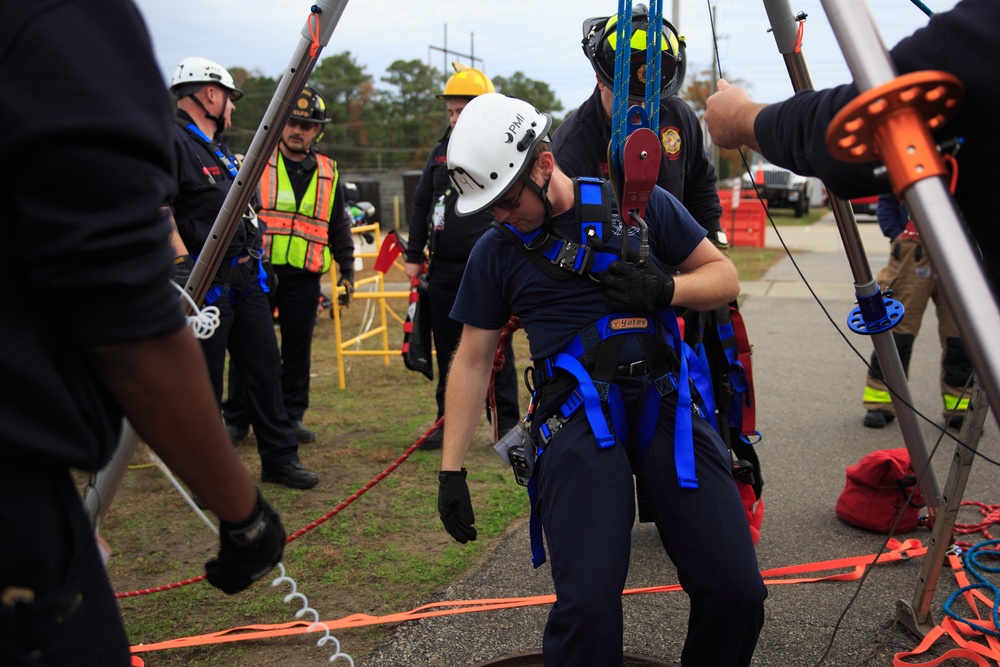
543	194
220	122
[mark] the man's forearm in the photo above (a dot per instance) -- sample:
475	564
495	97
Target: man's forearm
711	283
163	387
468	380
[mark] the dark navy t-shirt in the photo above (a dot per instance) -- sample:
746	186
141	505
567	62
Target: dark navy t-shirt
501	280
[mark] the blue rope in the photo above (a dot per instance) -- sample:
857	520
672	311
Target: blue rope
974	567
654	46
619	109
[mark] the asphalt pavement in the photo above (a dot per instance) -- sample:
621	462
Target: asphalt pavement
809	382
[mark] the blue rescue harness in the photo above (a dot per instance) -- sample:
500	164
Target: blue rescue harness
592	358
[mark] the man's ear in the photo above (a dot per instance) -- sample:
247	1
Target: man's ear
544	164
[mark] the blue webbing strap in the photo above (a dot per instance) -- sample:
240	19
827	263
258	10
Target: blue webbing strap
226	160
591	399
599	260
654	46
683	428
737	374
262	275
702	379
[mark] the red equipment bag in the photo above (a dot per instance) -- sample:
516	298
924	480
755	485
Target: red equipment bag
876	492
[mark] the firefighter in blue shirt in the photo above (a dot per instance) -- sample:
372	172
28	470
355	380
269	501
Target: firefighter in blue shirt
206	168
303	209
612	390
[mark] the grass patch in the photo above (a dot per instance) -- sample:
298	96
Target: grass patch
786	216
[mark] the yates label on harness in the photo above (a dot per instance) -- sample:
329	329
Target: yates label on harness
629	324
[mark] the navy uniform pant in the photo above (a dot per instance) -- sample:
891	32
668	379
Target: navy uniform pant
48	548
296	298
443	280
247	331
586	501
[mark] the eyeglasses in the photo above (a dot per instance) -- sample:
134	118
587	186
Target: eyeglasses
297	124
510	204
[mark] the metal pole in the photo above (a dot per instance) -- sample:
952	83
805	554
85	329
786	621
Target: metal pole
323	19
784	26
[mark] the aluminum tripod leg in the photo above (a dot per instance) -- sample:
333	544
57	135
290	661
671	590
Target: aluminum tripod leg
916	615
319	26
784	25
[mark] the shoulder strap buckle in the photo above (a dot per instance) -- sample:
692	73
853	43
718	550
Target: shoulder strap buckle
572	257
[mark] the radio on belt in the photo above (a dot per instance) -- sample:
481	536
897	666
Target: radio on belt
516	450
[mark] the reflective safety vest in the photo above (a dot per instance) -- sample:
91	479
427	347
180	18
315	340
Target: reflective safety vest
298	236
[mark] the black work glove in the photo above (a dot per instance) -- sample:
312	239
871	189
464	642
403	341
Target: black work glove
628	286
247	550
454	505
183	266
347	282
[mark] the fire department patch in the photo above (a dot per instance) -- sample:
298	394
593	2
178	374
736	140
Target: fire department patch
671	138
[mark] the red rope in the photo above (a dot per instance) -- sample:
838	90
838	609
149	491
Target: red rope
798	37
513	324
314	33
991	515
498	360
318	522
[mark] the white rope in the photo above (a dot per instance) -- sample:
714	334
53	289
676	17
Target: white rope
205	321
306	609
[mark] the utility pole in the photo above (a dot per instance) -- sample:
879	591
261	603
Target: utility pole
676	15
446	52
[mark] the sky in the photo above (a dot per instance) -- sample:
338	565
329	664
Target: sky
540	38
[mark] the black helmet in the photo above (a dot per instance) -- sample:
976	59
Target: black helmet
351	193
600	35
310	107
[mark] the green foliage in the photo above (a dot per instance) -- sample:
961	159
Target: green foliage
258	90
391	122
537	93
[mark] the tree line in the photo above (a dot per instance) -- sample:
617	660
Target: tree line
394	122
384	124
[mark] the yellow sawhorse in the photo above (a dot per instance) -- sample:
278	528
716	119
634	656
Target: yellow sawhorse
351	346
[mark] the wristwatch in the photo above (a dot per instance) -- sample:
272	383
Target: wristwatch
719	239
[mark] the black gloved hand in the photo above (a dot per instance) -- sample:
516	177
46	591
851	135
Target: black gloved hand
247	550
628	286
455	506
183	266
347	282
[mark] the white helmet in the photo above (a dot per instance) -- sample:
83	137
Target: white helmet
491	147
194	72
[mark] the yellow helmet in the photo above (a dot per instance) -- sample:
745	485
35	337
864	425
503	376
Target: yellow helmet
466	82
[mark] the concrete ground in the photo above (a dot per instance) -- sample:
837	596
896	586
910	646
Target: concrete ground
809	381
